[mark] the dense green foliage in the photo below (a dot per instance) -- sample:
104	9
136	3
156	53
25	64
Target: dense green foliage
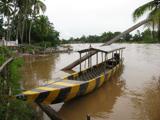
144	37
43	32
24	20
4	53
11	109
17	110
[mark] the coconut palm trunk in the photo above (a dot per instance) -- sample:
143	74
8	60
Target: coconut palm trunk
8	29
17	33
29	36
126	32
153	36
22	31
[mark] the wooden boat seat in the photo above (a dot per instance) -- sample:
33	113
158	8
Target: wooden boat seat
92	73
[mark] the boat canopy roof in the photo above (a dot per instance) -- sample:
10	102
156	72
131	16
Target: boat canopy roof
92	49
99	50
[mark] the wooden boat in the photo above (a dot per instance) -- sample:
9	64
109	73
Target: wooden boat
79	83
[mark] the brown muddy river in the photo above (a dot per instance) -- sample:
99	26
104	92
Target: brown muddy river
134	94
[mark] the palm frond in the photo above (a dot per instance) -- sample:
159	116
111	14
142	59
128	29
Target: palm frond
40	6
143	9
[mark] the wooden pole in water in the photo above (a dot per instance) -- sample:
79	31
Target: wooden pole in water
52	114
88	117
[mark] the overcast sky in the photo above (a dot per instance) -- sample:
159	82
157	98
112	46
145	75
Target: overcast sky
74	18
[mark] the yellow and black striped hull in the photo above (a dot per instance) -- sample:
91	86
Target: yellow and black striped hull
65	89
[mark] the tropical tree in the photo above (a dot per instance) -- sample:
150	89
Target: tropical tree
43	32
25	13
6	10
147	36
22	16
23	20
153	9
37	7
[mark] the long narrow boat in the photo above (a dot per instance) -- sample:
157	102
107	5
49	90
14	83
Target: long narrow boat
79	83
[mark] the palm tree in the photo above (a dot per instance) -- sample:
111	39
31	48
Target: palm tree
19	15
38	7
27	13
22	16
6	9
153	7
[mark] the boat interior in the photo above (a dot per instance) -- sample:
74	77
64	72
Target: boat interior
94	71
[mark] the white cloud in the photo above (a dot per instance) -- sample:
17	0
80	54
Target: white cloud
74	18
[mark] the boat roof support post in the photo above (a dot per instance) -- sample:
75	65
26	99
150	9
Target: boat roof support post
102	56
121	53
112	57
88	61
105	60
105	57
97	58
91	61
80	63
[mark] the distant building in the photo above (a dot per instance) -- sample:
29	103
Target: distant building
3	42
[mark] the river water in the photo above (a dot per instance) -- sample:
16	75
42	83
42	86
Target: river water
134	94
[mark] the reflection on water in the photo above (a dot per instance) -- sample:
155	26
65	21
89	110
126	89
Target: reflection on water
38	70
97	104
132	95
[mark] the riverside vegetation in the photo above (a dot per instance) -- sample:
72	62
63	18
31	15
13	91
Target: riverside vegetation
11	109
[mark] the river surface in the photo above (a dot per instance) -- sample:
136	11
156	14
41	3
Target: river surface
134	94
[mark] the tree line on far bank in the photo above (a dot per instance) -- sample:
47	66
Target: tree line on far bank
24	20
146	36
